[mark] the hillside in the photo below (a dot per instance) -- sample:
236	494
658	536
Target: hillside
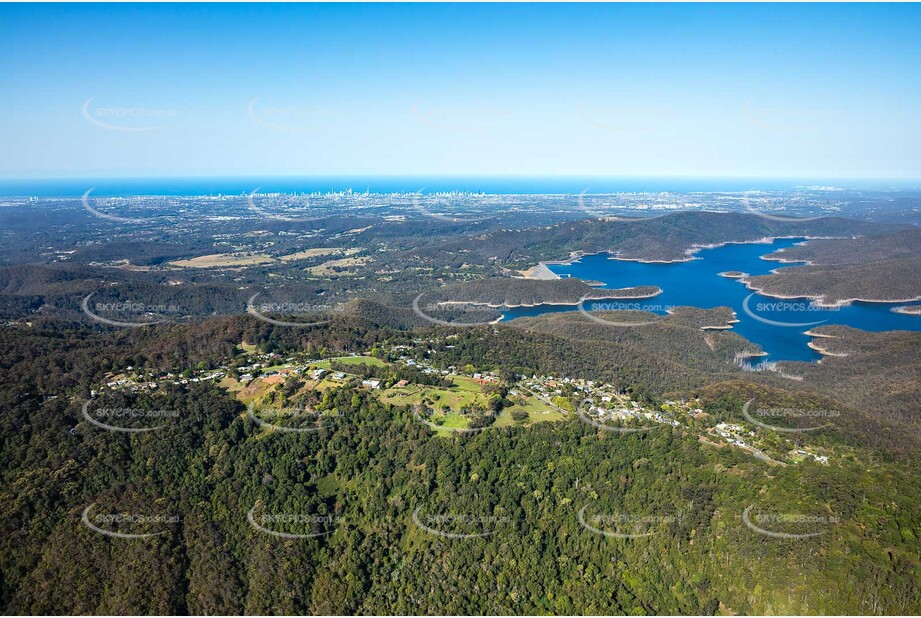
379	491
889	280
525	292
668	238
860	250
883	268
873	372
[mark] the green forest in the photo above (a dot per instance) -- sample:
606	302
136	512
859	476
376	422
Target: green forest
375	513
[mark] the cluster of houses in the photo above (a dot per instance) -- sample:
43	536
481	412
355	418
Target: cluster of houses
478	377
150	382
603	401
256	367
731	432
822	459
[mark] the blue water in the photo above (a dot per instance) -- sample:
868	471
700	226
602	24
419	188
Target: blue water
697	284
75	187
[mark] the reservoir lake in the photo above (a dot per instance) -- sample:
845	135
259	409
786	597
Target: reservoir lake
777	325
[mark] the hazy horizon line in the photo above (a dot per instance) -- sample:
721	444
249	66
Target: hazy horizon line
458	175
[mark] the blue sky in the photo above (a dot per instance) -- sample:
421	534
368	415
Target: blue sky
821	91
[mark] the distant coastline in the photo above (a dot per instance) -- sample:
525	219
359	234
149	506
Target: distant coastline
207	185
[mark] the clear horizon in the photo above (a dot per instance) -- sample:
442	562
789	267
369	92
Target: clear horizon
393	184
358	176
801	91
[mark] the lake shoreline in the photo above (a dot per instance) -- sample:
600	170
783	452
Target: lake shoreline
819	299
697	248
907	310
575	256
692	284
540	272
814	346
575	303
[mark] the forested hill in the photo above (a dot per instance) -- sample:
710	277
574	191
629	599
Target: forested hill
860	250
398	520
874	372
667	238
870	268
511	292
882	281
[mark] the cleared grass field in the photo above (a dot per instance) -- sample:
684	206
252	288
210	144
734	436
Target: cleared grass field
539	410
466	391
356	360
310	253
326	383
230	384
224	260
252	392
327	269
446	402
249	348
452	398
239	259
453	420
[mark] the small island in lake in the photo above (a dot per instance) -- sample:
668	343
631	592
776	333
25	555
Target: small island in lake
908	309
